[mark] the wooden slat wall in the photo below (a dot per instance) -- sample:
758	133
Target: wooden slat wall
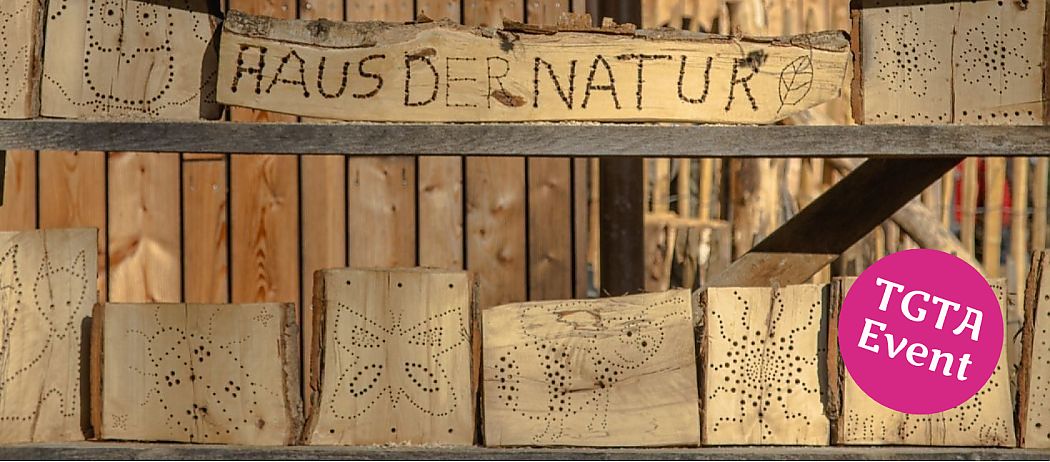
205	228
19	209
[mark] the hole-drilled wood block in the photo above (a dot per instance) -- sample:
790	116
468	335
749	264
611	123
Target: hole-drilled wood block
1034	378
391	358
608	372
47	289
149	59
196	373
984	420
762	356
21	33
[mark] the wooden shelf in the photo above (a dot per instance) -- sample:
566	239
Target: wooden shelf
90	450
532	139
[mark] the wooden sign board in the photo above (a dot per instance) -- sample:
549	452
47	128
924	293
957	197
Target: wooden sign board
442	72
984	420
391	358
951	62
142	59
762	356
47	289
226	374
607	372
1033	405
20	28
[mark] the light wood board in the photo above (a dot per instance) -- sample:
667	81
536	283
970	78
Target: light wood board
1034	391
47	289
19	211
20	27
763	355
391	358
984	420
205	224
225	374
953	62
607	372
443	72
144	59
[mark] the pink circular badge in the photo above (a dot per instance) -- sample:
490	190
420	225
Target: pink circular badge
920	331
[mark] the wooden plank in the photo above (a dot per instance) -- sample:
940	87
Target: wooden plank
992	238
832	223
264	205
1039	203
440	183
1019	230
75	196
136	59
608	372
44	361
382	230
392	358
1033	405
145	241
621	232
19	210
864	421
458	80
21	25
581	220
205	229
968	210
550	229
238	384
778	398
496	229
545	140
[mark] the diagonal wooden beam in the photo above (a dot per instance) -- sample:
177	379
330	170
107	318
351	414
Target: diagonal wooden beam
833	222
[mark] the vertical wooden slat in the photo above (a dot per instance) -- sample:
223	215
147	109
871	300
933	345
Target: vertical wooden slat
496	191
381	190
947	190
264	204
994	181
706	209
145	254
440	185
1019	224
550	204
18	212
685	183
1039	203
594	222
205	229
581	178
73	194
968	210
661	185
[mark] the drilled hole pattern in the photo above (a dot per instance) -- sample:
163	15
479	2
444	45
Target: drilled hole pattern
907	63
16	19
198	377
984	420
577	369
127	40
397	359
762	383
46	293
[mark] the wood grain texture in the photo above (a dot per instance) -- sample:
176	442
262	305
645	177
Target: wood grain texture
264	206
73	194
19	210
205	229
546	140
550	229
992	231
43	360
439	9
382	208
778	400
466	76
496	237
238	384
21	25
392	358
607	372
145	241
132	59
1033	405
984	420
1040	195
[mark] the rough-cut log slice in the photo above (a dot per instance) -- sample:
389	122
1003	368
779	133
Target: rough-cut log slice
47	289
442	72
1033	405
226	374
20	28
608	372
391	358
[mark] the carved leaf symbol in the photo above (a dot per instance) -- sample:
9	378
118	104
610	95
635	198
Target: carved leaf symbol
796	79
